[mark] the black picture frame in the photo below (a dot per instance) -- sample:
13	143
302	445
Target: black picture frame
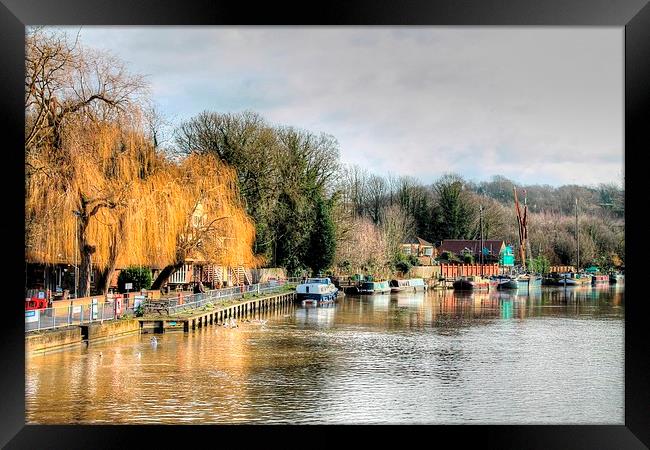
633	15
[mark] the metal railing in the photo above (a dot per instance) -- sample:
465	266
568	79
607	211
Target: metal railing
220	295
69	315
65	316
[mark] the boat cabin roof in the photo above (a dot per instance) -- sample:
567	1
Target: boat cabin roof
316	281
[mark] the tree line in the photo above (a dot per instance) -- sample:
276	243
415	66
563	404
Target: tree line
449	208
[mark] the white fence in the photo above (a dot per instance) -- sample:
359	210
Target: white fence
65	316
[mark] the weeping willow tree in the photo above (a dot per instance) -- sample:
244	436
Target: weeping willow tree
98	191
213	224
109	199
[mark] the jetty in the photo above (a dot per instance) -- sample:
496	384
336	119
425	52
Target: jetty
188	320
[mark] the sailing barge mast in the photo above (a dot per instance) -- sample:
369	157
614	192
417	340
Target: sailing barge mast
522	221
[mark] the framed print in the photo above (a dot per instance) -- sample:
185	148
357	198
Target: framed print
364	214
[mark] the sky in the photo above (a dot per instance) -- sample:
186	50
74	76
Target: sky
539	105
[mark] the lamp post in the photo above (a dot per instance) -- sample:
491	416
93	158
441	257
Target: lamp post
76	243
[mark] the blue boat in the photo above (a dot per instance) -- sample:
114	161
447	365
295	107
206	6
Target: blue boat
317	290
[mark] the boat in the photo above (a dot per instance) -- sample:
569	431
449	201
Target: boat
417	284
567	281
399	285
374	287
583	279
471	284
526	281
616	278
550	280
316	290
573	279
351	290
599	279
504	282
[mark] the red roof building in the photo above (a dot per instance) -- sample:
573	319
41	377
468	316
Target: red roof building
459	247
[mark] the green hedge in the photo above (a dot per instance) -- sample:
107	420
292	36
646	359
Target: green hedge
139	276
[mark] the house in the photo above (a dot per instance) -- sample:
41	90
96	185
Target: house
211	275
493	250
195	268
423	250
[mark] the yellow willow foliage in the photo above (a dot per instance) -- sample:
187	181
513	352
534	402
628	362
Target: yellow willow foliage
160	210
219	227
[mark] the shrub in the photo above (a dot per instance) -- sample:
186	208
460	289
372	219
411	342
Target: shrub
414	260
541	264
449	257
139	276
403	263
403	266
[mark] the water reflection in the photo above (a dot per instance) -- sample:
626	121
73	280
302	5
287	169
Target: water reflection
552	355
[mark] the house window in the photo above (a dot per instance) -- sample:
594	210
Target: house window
428	251
407	250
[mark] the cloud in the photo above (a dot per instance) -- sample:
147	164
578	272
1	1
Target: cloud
540	105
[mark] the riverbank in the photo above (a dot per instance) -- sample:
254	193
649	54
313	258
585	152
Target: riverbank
62	338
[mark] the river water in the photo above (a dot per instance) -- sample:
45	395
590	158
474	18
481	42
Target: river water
551	356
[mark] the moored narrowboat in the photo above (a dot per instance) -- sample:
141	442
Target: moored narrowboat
417	284
374	287
528	281
504	282
399	285
573	279
472	283
599	279
616	278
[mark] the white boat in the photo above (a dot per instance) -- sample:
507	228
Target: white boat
399	285
317	290
417	284
527	280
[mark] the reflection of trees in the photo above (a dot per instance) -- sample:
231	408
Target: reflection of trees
593	301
